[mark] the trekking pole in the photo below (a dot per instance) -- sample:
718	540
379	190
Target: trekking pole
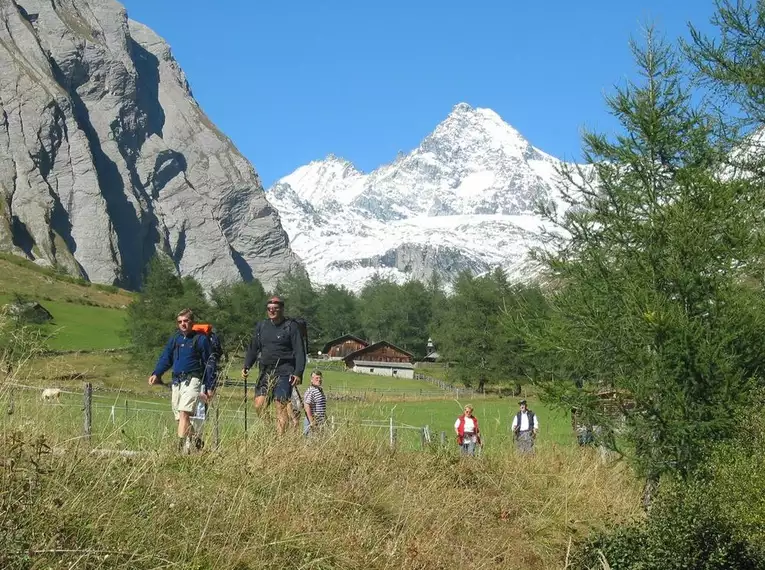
245	405
88	409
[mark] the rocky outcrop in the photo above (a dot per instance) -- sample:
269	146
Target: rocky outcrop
107	159
418	261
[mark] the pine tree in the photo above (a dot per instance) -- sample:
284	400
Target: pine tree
653	300
151	316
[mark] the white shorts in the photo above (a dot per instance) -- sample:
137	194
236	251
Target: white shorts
185	396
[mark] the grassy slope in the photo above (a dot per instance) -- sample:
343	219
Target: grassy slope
20	276
343	502
85	316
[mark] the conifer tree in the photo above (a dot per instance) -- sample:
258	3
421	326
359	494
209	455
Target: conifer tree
654	302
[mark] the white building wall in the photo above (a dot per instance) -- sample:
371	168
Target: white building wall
384	371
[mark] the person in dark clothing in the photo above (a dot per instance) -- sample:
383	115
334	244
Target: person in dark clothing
277	346
189	354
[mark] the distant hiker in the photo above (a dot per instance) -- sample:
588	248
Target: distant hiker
468	434
279	349
315	404
525	428
188	353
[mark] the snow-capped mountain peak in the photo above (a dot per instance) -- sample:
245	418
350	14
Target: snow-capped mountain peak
463	199
324	181
468	133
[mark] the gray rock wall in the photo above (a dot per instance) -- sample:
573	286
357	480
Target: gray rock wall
106	158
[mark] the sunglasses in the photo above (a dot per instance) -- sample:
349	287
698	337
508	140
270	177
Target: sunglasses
179	321
273	307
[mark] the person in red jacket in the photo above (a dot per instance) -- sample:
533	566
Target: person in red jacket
468	434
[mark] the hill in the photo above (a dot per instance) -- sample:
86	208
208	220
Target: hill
86	316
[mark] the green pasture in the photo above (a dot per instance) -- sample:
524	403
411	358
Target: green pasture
341	380
495	416
81	327
144	422
18	275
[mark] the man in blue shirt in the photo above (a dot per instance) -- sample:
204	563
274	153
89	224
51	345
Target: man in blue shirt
189	354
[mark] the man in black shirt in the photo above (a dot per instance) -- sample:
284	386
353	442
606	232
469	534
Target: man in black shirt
277	345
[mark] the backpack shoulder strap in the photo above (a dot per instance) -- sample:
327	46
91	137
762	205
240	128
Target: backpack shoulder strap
176	344
195	346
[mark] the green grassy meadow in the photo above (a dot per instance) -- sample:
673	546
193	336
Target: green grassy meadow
81	327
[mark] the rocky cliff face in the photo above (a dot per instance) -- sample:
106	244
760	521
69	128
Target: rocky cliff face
106	158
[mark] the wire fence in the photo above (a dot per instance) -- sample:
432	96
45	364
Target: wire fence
135	419
355	393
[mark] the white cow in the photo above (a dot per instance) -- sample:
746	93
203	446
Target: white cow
50	394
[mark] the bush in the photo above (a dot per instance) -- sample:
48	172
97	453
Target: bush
714	520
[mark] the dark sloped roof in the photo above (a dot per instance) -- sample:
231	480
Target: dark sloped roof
371	347
343	338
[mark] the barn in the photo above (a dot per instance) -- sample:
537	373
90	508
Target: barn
381	358
341	347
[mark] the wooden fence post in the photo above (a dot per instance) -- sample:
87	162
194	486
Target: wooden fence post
422	438
10	402
88	408
443	439
126	410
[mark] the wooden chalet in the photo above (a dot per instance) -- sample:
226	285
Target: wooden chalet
341	347
381	358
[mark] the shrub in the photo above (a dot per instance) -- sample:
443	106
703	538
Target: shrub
714	520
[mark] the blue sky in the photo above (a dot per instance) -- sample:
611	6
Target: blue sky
293	81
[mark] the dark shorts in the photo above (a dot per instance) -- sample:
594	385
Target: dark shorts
276	387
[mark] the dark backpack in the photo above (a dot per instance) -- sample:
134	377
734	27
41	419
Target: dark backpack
299	322
302	326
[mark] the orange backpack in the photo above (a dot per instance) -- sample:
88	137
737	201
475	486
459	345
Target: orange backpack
203	328
207	330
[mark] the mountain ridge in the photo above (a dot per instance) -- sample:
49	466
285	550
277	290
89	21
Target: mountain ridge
464	199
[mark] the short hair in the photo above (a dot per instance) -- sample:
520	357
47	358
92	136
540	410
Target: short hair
469	407
318	373
186	313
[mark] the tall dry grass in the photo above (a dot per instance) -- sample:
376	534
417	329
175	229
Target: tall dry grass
344	501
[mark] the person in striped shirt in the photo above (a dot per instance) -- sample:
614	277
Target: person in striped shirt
315	404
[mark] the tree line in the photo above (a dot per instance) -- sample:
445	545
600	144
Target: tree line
466	323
